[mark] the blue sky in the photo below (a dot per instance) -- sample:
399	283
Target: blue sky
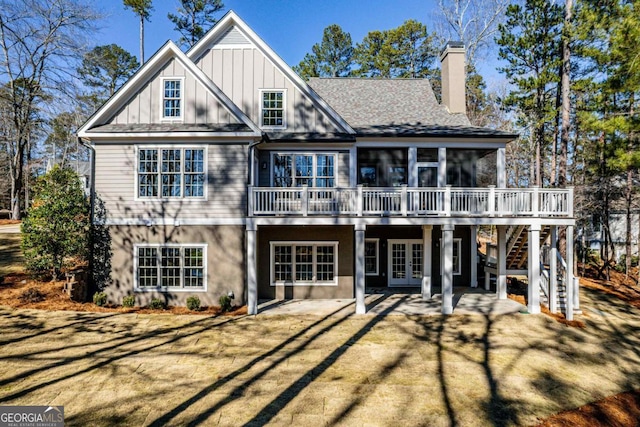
290	27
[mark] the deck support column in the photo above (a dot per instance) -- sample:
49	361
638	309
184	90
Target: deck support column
447	268
426	261
361	307
501	280
533	303
252	277
553	271
569	286
474	256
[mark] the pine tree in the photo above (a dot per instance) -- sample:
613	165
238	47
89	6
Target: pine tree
194	19
143	9
106	68
332	57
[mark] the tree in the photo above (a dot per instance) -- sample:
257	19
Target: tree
194	18
473	22
106	68
39	41
55	234
372	57
412	50
332	57
530	44
143	9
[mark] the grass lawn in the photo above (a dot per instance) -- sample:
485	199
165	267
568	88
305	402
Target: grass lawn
11	260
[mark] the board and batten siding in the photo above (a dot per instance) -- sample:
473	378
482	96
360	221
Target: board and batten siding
199	106
226	187
242	71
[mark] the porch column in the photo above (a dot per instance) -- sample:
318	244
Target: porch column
361	308
569	286
501	168
413	171
442	167
446	252
553	271
474	256
533	305
501	280
252	277
353	167
426	261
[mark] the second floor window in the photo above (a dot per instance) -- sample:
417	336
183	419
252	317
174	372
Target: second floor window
296	170
172	95
272	109
171	172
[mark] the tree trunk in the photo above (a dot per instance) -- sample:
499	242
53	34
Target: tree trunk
141	40
566	88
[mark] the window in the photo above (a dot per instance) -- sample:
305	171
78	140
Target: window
304	263
272	111
296	170
371	257
171	173
457	246
171	99
163	267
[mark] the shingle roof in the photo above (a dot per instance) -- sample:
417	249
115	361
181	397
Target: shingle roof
385	102
420	130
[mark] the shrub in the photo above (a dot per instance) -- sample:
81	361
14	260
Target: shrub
193	303
55	232
225	303
156	304
100	299
31	295
128	301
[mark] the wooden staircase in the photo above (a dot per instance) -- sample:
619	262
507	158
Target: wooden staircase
518	245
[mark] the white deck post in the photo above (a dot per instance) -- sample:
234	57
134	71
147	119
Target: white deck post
553	271
474	256
447	268
501	166
252	277
487	280
361	307
442	167
426	261
501	280
569	285
533	305
413	170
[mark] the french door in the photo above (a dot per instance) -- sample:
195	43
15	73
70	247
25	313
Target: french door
405	262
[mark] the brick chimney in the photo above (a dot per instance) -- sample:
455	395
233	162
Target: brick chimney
452	58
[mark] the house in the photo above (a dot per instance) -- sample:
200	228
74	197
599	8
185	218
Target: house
224	172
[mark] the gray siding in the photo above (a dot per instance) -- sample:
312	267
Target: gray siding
199	106
241	71
226	185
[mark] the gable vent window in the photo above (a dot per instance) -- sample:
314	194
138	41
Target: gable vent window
171	99
272	109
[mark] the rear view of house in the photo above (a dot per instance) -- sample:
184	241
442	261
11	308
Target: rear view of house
224	172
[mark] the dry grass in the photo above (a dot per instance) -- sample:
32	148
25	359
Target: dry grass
11	260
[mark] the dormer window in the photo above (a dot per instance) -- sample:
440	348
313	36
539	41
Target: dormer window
272	109
172	99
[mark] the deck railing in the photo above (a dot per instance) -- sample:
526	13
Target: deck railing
411	201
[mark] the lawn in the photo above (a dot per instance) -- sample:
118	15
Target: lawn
11	260
343	369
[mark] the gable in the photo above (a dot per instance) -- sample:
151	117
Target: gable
198	104
243	66
137	107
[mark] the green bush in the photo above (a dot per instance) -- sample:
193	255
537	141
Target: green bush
128	301
55	232
100	299
225	303
156	304
31	295
193	303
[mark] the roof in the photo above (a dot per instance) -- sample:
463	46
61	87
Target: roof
424	130
385	102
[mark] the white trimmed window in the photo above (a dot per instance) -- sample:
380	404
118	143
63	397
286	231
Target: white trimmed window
457	250
371	247
272	114
172	99
170	267
304	263
298	169
171	173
